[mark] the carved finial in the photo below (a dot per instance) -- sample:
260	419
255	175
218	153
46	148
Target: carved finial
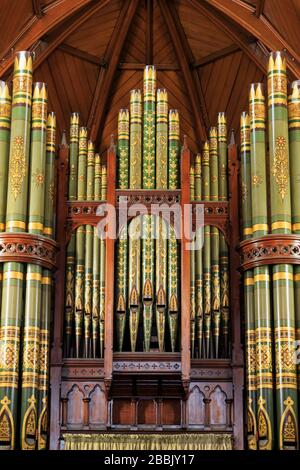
63	142
112	141
232	137
185	142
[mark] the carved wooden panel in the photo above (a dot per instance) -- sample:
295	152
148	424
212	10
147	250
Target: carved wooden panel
122	412
75	408
171	412
209	405
83	405
218	408
147	412
196	407
97	412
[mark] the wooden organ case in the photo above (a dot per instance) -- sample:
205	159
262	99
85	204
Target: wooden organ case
147	391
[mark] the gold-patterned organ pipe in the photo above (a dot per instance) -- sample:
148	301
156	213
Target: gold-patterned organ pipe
33	298
5	118
283	281
49	228
13	273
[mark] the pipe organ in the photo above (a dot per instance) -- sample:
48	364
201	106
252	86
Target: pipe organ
129	315
270	259
27	185
105	261
209	263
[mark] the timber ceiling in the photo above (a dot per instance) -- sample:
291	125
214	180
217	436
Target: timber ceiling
92	53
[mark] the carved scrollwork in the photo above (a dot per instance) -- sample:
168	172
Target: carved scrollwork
28	248
269	249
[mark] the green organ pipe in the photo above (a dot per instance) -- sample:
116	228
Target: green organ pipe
283	280
261	275
13	272
294	149
33	298
250	346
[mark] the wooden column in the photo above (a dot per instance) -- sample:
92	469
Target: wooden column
237	352
57	345
109	272
185	268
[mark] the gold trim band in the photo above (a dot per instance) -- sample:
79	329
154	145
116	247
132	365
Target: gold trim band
35	226
13	275
15	224
283	276
262	277
259	227
33	277
281	224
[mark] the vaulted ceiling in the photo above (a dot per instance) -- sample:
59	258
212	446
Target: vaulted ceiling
92	53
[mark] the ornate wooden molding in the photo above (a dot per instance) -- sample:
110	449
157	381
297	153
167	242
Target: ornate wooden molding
216	213
213	369
150	363
147	198
151	367
28	248
77	369
82	213
269	249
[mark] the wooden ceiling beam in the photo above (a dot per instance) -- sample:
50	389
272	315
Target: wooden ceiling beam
185	58
259	9
88	12
54	14
81	54
37	8
244	15
149	33
220	54
139	66
106	75
228	27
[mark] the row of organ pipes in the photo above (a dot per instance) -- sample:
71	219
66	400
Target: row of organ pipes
85	259
147	270
210	263
270	202
147	300
27	202
147	256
